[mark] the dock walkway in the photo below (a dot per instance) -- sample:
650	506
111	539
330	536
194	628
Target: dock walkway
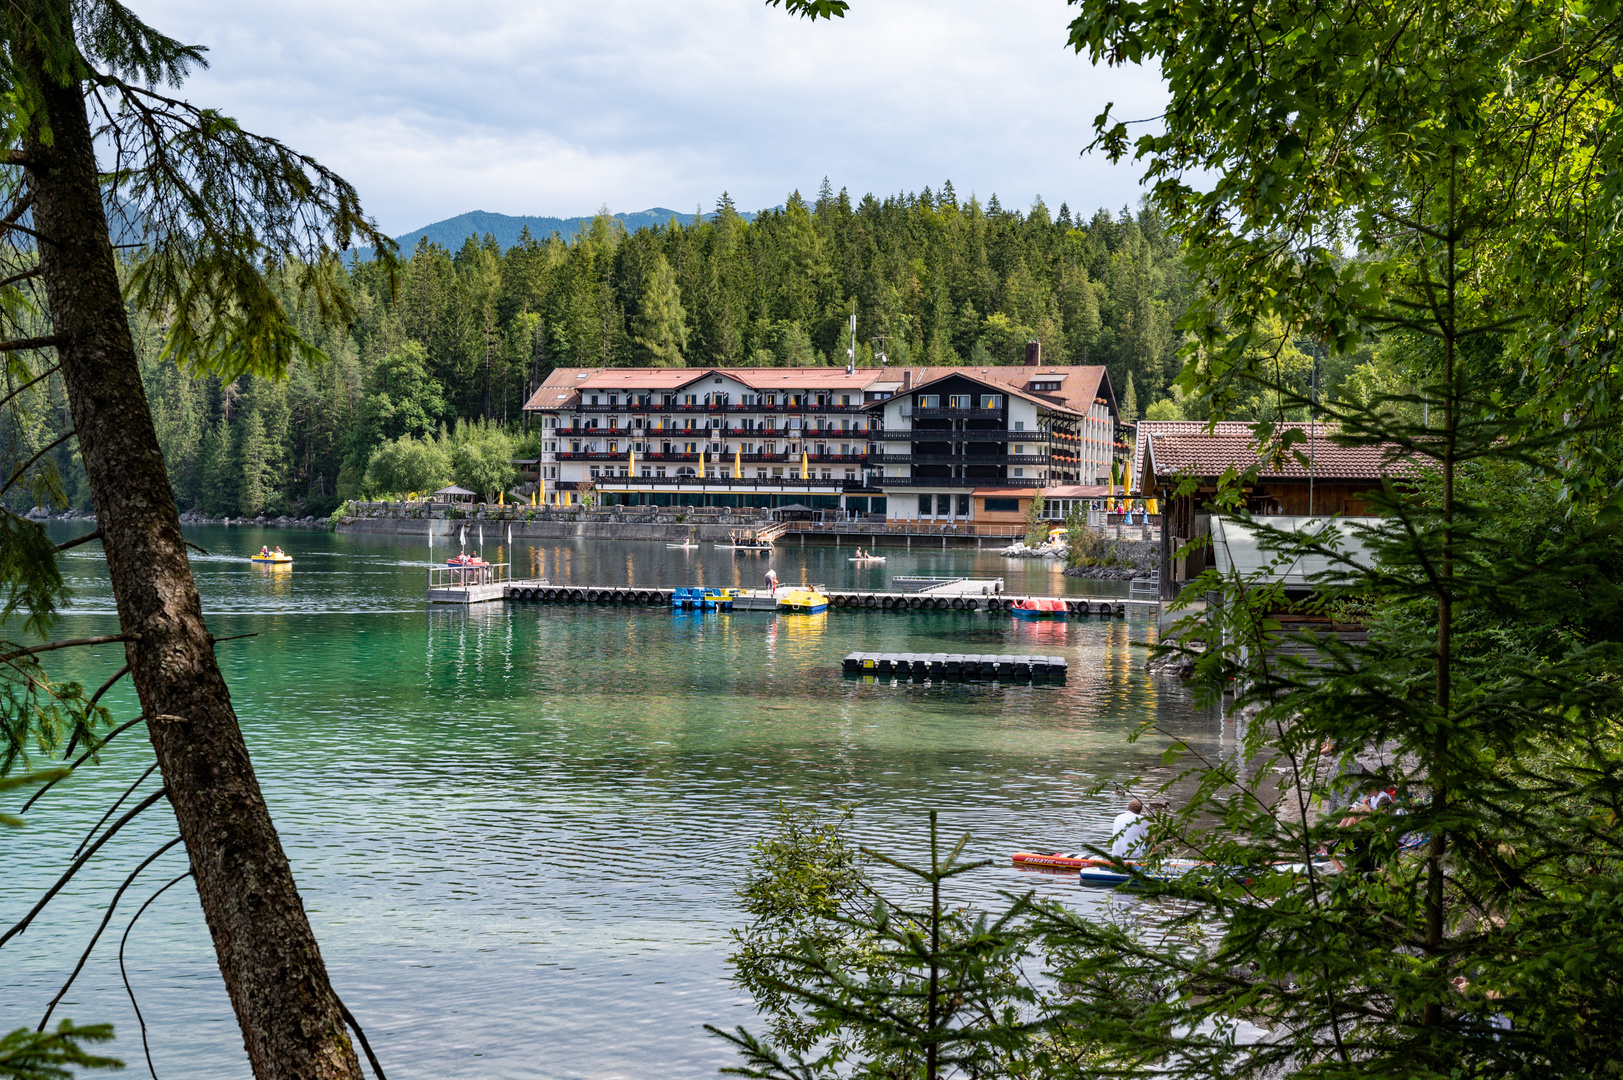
838	599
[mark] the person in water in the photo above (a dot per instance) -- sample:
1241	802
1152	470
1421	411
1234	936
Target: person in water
1130	833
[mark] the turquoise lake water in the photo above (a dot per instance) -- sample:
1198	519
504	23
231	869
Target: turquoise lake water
517	829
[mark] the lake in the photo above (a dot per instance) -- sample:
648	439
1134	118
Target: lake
518	829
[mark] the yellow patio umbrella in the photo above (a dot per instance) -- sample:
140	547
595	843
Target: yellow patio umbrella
701	464
1149	505
738	463
805	473
631	463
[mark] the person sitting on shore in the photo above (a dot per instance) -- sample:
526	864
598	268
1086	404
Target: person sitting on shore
1130	833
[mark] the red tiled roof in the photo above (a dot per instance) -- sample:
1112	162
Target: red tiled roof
1148	429
1212	455
778	378
1080	385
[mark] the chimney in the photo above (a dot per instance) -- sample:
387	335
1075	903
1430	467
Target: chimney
1034	354
907	380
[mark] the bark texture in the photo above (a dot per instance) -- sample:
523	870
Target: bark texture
291	1020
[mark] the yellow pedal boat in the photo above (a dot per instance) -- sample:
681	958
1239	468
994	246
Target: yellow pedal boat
801	601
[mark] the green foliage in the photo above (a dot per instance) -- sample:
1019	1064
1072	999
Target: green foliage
52	1055
1037	528
660	327
482	459
28	573
913	987
1083	546
37	712
409	464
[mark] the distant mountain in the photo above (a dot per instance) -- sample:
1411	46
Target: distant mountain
506	228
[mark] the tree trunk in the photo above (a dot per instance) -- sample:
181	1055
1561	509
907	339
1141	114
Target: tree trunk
291	1019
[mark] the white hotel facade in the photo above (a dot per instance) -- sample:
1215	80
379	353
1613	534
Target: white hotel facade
940	444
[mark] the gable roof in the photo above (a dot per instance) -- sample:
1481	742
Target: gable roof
1209	456
1080	384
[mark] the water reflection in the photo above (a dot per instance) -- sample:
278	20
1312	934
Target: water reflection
535	814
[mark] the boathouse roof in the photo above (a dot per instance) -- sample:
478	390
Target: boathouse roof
1316	456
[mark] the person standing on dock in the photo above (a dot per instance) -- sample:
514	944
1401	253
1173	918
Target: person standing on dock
1129	834
772	580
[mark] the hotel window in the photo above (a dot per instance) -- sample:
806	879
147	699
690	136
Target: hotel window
827	475
625	471
925	507
777	474
614	423
551	447
963	506
1018	450
594	399
929	401
614	399
1019	425
771	399
690	448
771	422
991	401
850	474
1002	506
638	447
690	399
551	421
574	447
689	424
614	447
596	472
960	401
1019	472
760	474
845	399
646	471
660	471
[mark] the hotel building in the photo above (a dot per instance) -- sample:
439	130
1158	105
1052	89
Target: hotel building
940	444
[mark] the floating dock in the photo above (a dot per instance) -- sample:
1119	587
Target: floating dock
954	665
838	599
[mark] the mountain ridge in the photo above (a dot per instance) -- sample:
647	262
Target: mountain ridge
507	228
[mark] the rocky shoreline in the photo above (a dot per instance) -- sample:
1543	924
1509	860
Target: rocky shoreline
192	517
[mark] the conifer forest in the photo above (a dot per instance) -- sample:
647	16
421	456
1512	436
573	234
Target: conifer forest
463	336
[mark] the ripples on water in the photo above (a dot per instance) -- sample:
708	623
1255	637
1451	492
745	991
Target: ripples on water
517	829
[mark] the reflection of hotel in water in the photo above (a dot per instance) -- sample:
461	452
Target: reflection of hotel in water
958	444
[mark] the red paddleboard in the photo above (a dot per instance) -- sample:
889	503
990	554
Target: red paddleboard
1057	861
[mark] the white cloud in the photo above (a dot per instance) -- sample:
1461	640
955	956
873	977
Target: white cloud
551	107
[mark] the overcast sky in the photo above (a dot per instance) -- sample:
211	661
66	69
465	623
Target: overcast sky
555	107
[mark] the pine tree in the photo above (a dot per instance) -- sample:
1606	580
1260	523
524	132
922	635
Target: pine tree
1129	402
254	487
661	326
217	483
